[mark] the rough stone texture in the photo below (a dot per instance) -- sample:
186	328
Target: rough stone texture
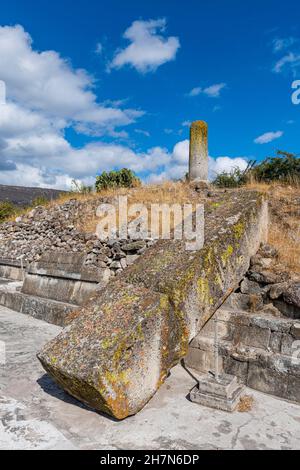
223	394
292	294
64	277
198	159
260	349
56	228
37	414
11	269
53	287
121	347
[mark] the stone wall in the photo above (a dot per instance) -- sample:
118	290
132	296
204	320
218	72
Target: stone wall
55	228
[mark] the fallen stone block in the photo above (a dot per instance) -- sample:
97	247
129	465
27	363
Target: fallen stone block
121	346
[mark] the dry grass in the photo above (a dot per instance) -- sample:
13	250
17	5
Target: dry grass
288	247
245	404
284	201
284	231
167	192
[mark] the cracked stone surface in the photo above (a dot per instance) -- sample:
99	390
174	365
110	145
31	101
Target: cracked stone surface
36	414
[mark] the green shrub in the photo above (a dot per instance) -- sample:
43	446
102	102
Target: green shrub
285	167
7	209
235	178
39	201
124	178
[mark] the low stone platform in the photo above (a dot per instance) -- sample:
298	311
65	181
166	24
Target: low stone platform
48	310
261	350
53	287
12	269
37	414
223	393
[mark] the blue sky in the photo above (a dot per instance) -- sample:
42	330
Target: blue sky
96	85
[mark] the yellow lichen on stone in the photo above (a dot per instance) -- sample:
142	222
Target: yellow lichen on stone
226	254
203	290
238	230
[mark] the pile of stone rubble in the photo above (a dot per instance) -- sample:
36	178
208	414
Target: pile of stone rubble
269	287
55	228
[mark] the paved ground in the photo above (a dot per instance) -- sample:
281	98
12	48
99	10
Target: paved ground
36	414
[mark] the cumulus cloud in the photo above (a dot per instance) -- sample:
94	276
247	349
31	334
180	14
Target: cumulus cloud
225	164
177	164
45	82
148	48
213	91
45	96
268	137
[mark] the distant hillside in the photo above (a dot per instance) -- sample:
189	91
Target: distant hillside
23	196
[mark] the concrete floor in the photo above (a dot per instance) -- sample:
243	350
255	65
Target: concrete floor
36	414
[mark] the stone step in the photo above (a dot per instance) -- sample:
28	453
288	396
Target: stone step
261	350
12	269
275	374
48	310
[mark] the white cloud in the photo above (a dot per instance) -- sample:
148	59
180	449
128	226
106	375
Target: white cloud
45	96
227	164
45	82
290	60
268	137
195	91
186	123
99	48
177	166
279	44
213	91
148	49
142	132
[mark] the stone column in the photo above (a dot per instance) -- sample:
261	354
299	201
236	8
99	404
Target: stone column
198	160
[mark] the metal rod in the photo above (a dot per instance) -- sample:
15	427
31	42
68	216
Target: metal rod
216	348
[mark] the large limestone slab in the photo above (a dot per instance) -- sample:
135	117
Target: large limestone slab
119	349
63	277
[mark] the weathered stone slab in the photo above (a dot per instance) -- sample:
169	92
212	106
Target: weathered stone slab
120	348
66	266
47	310
63	277
11	269
198	154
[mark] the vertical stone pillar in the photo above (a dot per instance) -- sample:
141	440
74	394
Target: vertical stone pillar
198	160
2	92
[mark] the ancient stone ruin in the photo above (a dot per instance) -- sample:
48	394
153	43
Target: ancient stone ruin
132	309
198	160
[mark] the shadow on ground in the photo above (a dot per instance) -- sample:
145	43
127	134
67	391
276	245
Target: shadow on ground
51	388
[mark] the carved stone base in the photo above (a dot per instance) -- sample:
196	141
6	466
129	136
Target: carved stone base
223	394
